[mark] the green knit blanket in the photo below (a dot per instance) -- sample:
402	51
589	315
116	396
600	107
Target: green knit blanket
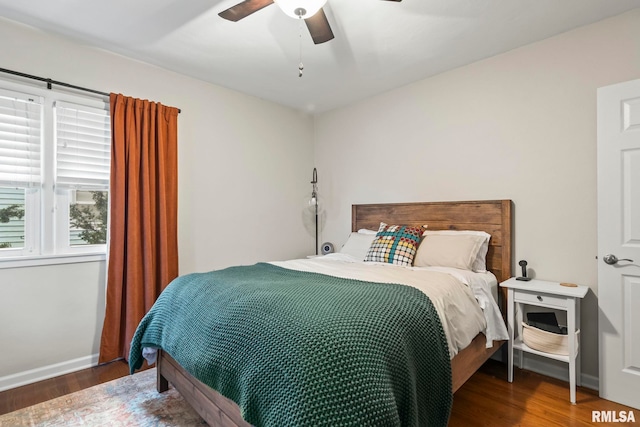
294	348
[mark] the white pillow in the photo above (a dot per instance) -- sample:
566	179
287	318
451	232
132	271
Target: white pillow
358	244
480	263
468	253
367	231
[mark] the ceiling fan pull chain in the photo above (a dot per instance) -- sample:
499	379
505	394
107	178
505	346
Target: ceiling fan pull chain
300	65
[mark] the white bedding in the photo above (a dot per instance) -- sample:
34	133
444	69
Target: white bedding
464	300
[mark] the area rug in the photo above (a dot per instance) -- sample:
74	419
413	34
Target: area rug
129	401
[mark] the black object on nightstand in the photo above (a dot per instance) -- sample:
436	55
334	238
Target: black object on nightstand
524	277
547	321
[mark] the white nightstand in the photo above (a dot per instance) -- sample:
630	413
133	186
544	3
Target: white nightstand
550	295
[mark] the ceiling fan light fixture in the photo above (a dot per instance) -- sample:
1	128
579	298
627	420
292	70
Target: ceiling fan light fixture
300	8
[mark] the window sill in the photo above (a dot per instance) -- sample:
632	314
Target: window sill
42	260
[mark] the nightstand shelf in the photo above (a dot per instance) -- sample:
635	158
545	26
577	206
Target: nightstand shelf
519	345
551	295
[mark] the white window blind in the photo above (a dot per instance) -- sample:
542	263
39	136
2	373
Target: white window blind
83	146
20	136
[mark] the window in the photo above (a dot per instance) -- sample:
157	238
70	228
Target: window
55	151
83	152
20	170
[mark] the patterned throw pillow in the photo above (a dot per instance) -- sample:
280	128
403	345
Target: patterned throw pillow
395	244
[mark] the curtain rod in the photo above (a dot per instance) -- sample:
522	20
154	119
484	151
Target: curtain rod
51	82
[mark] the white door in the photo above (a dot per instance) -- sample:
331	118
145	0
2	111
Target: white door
619	242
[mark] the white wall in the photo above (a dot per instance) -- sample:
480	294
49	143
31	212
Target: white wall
520	126
244	168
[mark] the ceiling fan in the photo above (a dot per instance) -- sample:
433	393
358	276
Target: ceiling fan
309	10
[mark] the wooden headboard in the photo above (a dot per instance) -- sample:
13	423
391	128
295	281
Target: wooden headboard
493	216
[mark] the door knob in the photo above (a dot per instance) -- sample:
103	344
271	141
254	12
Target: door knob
612	259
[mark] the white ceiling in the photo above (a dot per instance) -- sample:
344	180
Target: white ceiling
378	45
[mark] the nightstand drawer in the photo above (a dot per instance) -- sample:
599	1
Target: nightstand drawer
538	298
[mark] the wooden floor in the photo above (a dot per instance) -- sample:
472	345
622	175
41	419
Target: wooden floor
487	399
21	397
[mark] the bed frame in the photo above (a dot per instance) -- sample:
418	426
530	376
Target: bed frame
494	217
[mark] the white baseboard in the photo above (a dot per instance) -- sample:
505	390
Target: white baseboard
553	369
46	372
548	367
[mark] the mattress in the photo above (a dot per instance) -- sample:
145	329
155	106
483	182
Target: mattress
466	305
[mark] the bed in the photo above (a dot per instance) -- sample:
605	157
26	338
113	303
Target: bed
493	217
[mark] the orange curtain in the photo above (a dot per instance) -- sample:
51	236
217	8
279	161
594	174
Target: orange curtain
143	245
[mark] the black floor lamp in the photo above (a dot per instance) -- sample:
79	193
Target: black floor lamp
314	201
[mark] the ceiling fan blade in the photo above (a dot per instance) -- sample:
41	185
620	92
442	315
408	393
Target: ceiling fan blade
244	9
319	27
